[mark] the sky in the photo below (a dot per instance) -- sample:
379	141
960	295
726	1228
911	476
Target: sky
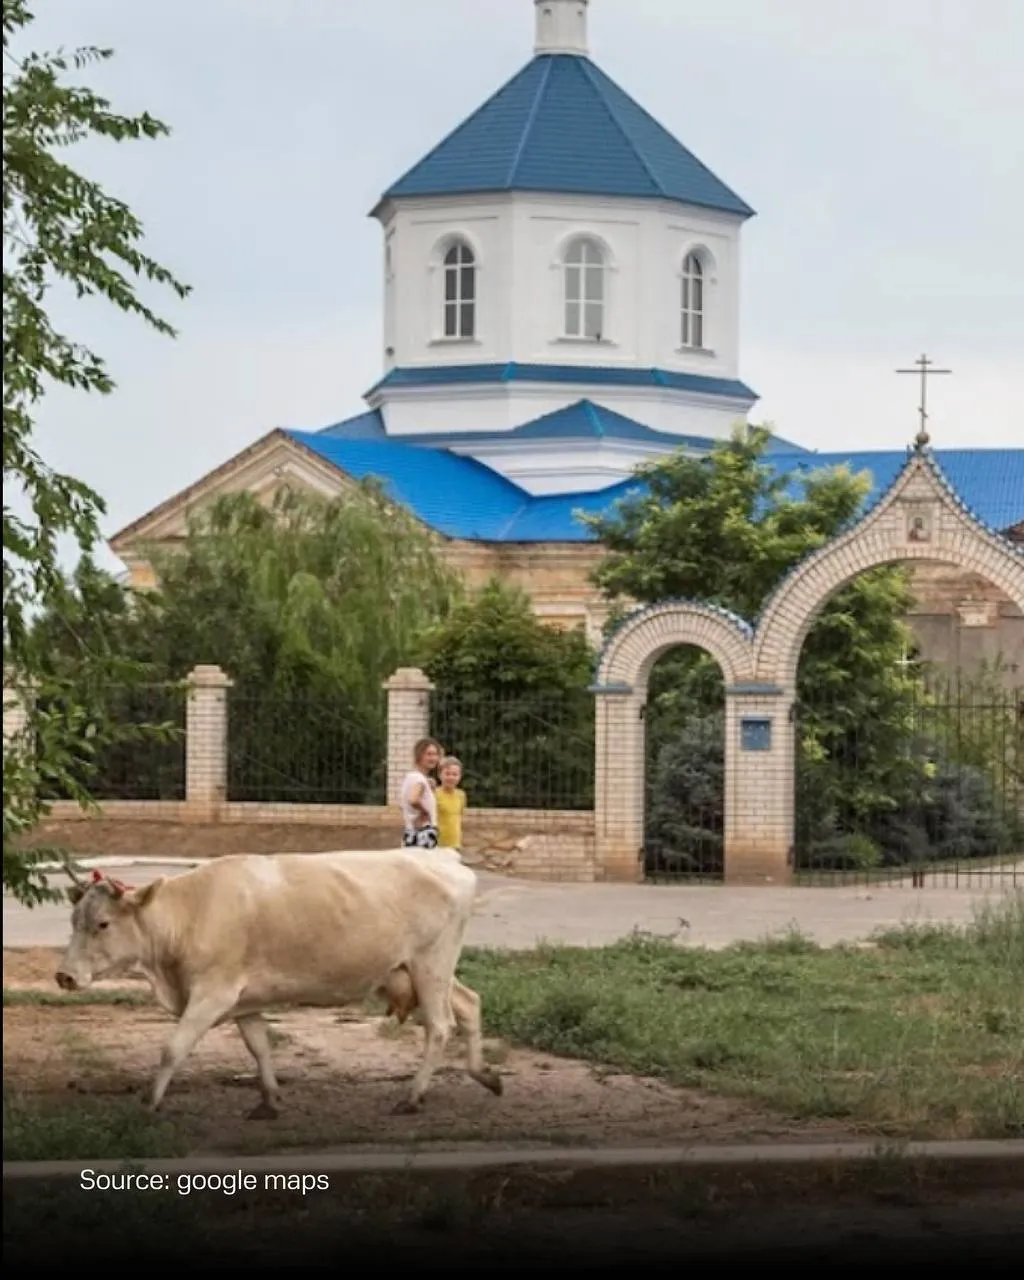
878	141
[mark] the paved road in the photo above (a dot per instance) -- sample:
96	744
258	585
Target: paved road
517	914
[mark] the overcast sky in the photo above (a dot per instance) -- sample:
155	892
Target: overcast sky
878	140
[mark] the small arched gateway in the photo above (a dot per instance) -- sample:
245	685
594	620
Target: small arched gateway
920	517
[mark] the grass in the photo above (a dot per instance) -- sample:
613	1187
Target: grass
19	997
919	1036
104	1128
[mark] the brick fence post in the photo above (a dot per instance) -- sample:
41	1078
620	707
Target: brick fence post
760	743
206	741
408	721
619	783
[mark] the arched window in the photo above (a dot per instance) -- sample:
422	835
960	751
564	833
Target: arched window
584	267
692	302
459	291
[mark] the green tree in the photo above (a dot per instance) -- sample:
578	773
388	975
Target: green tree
334	592
60	230
726	529
309	604
511	700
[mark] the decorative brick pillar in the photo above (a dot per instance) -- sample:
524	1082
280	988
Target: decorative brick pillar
408	720
206	741
618	783
759	781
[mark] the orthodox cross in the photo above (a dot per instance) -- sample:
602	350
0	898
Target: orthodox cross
924	369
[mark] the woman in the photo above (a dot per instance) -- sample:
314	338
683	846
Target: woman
417	799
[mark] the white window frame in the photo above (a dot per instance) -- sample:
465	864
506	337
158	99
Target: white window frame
457	258
584	260
693	302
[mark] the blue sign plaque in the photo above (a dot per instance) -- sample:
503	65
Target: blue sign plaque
756	733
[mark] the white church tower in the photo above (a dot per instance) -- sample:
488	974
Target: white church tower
561	281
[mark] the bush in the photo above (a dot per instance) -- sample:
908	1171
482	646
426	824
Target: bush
839	851
685	827
918	811
512	701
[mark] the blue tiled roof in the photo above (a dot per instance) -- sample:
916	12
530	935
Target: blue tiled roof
462	498
365	426
583	420
459	497
990	481
582	374
561	125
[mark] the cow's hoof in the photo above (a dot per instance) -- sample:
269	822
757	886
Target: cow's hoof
407	1107
263	1111
491	1080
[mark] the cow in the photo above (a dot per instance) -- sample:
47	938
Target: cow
240	935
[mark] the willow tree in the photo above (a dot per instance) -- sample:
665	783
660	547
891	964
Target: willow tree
309	604
329	593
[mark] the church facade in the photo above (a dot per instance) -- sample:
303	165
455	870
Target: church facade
561	281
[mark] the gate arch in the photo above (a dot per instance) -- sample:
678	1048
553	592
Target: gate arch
920	517
644	636
623	671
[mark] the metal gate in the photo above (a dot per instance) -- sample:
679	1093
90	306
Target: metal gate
929	793
684	797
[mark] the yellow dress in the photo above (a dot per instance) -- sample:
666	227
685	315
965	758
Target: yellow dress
450	806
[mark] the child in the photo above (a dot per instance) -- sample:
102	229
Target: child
451	804
419	806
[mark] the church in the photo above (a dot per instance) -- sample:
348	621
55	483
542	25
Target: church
561	282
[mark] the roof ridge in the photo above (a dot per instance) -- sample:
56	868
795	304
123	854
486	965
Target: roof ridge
591	412
585	64
531	120
667	132
457	129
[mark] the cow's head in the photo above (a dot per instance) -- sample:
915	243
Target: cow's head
106	936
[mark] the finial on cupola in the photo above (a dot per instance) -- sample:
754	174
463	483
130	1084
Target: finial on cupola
561	26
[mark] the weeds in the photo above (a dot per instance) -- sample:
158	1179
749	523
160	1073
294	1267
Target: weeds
921	1035
105	1128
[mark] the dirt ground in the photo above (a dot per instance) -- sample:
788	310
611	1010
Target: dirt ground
108	838
342	1073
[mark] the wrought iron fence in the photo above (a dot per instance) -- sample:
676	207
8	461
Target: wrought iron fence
129	742
684	807
926	790
297	746
929	793
521	752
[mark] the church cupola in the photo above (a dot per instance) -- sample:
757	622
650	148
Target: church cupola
561	27
559	247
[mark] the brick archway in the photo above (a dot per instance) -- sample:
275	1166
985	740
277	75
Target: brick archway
921	517
646	635
621	688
